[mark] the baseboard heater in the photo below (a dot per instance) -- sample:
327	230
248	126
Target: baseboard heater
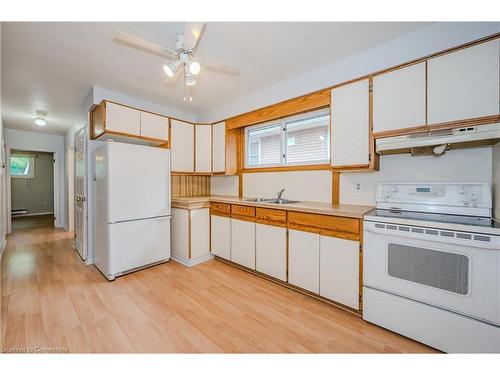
19	212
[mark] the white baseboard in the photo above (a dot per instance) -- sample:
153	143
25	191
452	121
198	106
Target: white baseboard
89	261
35	214
190	262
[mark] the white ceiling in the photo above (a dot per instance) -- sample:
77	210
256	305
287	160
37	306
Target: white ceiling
51	66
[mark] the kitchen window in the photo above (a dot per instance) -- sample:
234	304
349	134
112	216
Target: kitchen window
298	140
22	166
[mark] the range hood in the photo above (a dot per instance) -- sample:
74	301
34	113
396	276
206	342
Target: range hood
447	137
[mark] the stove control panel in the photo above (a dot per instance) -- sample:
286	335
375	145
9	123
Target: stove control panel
456	198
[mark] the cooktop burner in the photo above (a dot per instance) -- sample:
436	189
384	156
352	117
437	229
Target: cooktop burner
476	221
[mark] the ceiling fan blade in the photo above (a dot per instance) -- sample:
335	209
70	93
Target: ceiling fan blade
192	35
219	66
143	45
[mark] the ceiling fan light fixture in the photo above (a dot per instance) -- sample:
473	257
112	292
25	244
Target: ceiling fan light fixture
190	81
171	68
194	67
40	118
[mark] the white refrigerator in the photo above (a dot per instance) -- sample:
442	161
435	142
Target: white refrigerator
131	207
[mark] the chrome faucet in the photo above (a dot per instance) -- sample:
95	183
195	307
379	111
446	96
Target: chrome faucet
280	194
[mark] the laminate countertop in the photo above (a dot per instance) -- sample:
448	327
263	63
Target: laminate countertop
344	210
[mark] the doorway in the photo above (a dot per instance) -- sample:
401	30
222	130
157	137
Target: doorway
31	189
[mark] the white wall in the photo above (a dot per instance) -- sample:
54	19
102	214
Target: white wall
25	140
224	185
496	181
304	186
422	42
474	164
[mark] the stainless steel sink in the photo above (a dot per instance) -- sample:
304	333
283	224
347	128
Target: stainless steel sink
271	200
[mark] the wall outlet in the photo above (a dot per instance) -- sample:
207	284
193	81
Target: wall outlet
358	186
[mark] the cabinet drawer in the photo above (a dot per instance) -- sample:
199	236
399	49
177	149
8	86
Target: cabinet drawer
243	211
270	216
324	224
221	209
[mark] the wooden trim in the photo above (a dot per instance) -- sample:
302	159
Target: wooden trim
243	218
396	132
221	207
361	249
373	156
335	187
290	286
305	103
269	216
288	168
219	213
352	167
231	162
467	122
238	210
319	222
189	234
339	234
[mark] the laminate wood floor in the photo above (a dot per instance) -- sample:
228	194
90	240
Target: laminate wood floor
52	300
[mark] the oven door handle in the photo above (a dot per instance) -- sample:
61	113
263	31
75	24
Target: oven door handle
495	245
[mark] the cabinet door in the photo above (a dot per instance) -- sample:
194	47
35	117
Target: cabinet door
123	119
219	147
154	126
399	99
270	250
182	146
203	147
464	84
339	270
243	243
220	236
180	232
303	260
200	232
350	124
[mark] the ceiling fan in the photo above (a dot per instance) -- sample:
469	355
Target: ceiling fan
185	59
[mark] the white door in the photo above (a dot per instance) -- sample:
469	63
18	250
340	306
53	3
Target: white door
303	260
399	99
182	146
123	119
219	147
270	250
243	243
138	243
203	147
154	126
220	236
464	84
80	196
350	124
138	182
339	270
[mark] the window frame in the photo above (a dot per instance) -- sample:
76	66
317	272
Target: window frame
32	162
283	122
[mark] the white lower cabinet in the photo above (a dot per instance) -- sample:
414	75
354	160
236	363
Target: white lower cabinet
270	250
221	236
190	235
243	243
303	260
339	270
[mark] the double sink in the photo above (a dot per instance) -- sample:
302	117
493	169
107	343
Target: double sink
271	200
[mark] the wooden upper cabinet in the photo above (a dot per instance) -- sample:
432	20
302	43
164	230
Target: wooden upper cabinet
219	148
182	147
203	148
123	120
399	100
350	125
464	85
154	126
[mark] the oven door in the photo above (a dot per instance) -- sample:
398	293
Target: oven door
456	271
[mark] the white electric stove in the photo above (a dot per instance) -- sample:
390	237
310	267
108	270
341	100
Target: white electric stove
431	265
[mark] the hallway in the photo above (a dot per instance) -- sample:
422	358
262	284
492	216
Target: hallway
52	300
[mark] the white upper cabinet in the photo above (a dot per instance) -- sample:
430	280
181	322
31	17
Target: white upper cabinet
350	124
182	146
399	99
154	126
464	84
203	147
219	147
123	119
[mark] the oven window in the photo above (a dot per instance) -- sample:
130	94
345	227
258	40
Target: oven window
439	269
